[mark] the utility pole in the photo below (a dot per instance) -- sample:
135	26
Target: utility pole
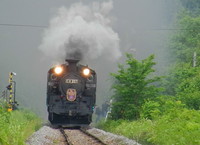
194	59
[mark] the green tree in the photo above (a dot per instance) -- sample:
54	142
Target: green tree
192	6
132	86
186	40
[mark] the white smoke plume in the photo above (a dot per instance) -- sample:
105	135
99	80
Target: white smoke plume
82	32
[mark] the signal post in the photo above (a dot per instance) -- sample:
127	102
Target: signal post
12	88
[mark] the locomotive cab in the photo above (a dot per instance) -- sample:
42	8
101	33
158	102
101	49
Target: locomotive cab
71	94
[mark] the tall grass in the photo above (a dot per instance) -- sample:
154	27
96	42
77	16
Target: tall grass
17	126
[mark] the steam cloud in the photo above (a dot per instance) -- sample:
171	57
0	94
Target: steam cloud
82	32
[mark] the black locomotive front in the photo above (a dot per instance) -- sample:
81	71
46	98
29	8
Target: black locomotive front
71	94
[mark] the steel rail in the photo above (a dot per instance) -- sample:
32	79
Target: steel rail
65	136
84	130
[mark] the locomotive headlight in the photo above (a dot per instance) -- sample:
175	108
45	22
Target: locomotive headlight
86	72
58	70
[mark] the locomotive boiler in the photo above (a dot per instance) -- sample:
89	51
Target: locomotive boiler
71	94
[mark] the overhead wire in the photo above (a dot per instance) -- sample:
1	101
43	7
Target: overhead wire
22	25
43	26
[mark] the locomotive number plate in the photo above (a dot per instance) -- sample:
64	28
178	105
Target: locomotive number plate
71	81
71	94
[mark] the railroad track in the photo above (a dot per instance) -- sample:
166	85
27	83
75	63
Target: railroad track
80	137
66	139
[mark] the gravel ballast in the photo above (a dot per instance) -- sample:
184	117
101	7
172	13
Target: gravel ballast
46	136
50	136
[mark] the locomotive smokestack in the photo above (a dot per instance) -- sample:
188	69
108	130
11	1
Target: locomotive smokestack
72	61
72	64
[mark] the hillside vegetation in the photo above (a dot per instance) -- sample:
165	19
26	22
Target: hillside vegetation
17	126
162	110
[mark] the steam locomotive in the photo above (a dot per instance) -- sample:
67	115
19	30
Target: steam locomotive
71	94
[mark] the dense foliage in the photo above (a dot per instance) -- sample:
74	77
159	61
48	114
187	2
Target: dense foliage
183	79
163	121
17	126
180	126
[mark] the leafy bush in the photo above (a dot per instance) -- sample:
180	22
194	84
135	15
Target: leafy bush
161	105
150	109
